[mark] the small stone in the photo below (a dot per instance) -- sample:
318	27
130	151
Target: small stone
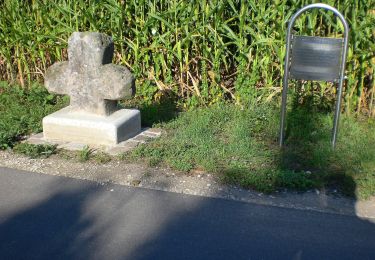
155	131
36	136
127	143
36	141
72	146
122	148
150	134
135	183
141	139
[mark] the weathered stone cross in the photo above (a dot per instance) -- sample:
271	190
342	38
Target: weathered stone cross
92	82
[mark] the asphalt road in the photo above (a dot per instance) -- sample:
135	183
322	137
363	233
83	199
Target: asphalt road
49	217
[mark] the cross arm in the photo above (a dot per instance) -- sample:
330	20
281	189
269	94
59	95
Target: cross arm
56	78
118	82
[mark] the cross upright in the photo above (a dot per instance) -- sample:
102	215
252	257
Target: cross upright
93	83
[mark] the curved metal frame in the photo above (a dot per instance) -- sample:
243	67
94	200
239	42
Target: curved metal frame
286	69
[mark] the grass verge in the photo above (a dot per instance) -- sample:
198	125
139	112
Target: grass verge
241	146
238	144
22	110
46	150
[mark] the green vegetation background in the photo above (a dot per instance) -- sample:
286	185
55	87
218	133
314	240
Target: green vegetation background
201	51
224	56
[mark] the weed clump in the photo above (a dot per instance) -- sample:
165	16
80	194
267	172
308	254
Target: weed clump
35	151
85	154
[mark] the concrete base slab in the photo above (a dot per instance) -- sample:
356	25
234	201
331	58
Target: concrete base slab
145	135
122	147
72	146
66	125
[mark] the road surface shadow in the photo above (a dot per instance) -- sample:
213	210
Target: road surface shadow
53	227
72	219
55	222
219	229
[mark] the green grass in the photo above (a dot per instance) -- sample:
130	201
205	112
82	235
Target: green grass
241	146
85	154
237	143
22	110
102	157
35	151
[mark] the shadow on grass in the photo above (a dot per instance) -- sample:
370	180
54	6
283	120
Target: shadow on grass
307	154
154	112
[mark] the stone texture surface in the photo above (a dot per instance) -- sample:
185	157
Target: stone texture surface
122	147
145	136
94	86
68	126
71	146
89	78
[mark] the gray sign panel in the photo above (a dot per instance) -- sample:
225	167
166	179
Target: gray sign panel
316	58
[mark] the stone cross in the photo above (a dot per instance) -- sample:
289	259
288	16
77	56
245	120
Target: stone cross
92	82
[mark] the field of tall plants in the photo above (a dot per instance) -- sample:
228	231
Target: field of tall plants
199	51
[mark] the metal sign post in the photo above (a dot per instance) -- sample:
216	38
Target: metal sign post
315	58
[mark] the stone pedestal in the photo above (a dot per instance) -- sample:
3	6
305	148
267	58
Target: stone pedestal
70	126
94	85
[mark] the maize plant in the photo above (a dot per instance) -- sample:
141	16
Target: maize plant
201	51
